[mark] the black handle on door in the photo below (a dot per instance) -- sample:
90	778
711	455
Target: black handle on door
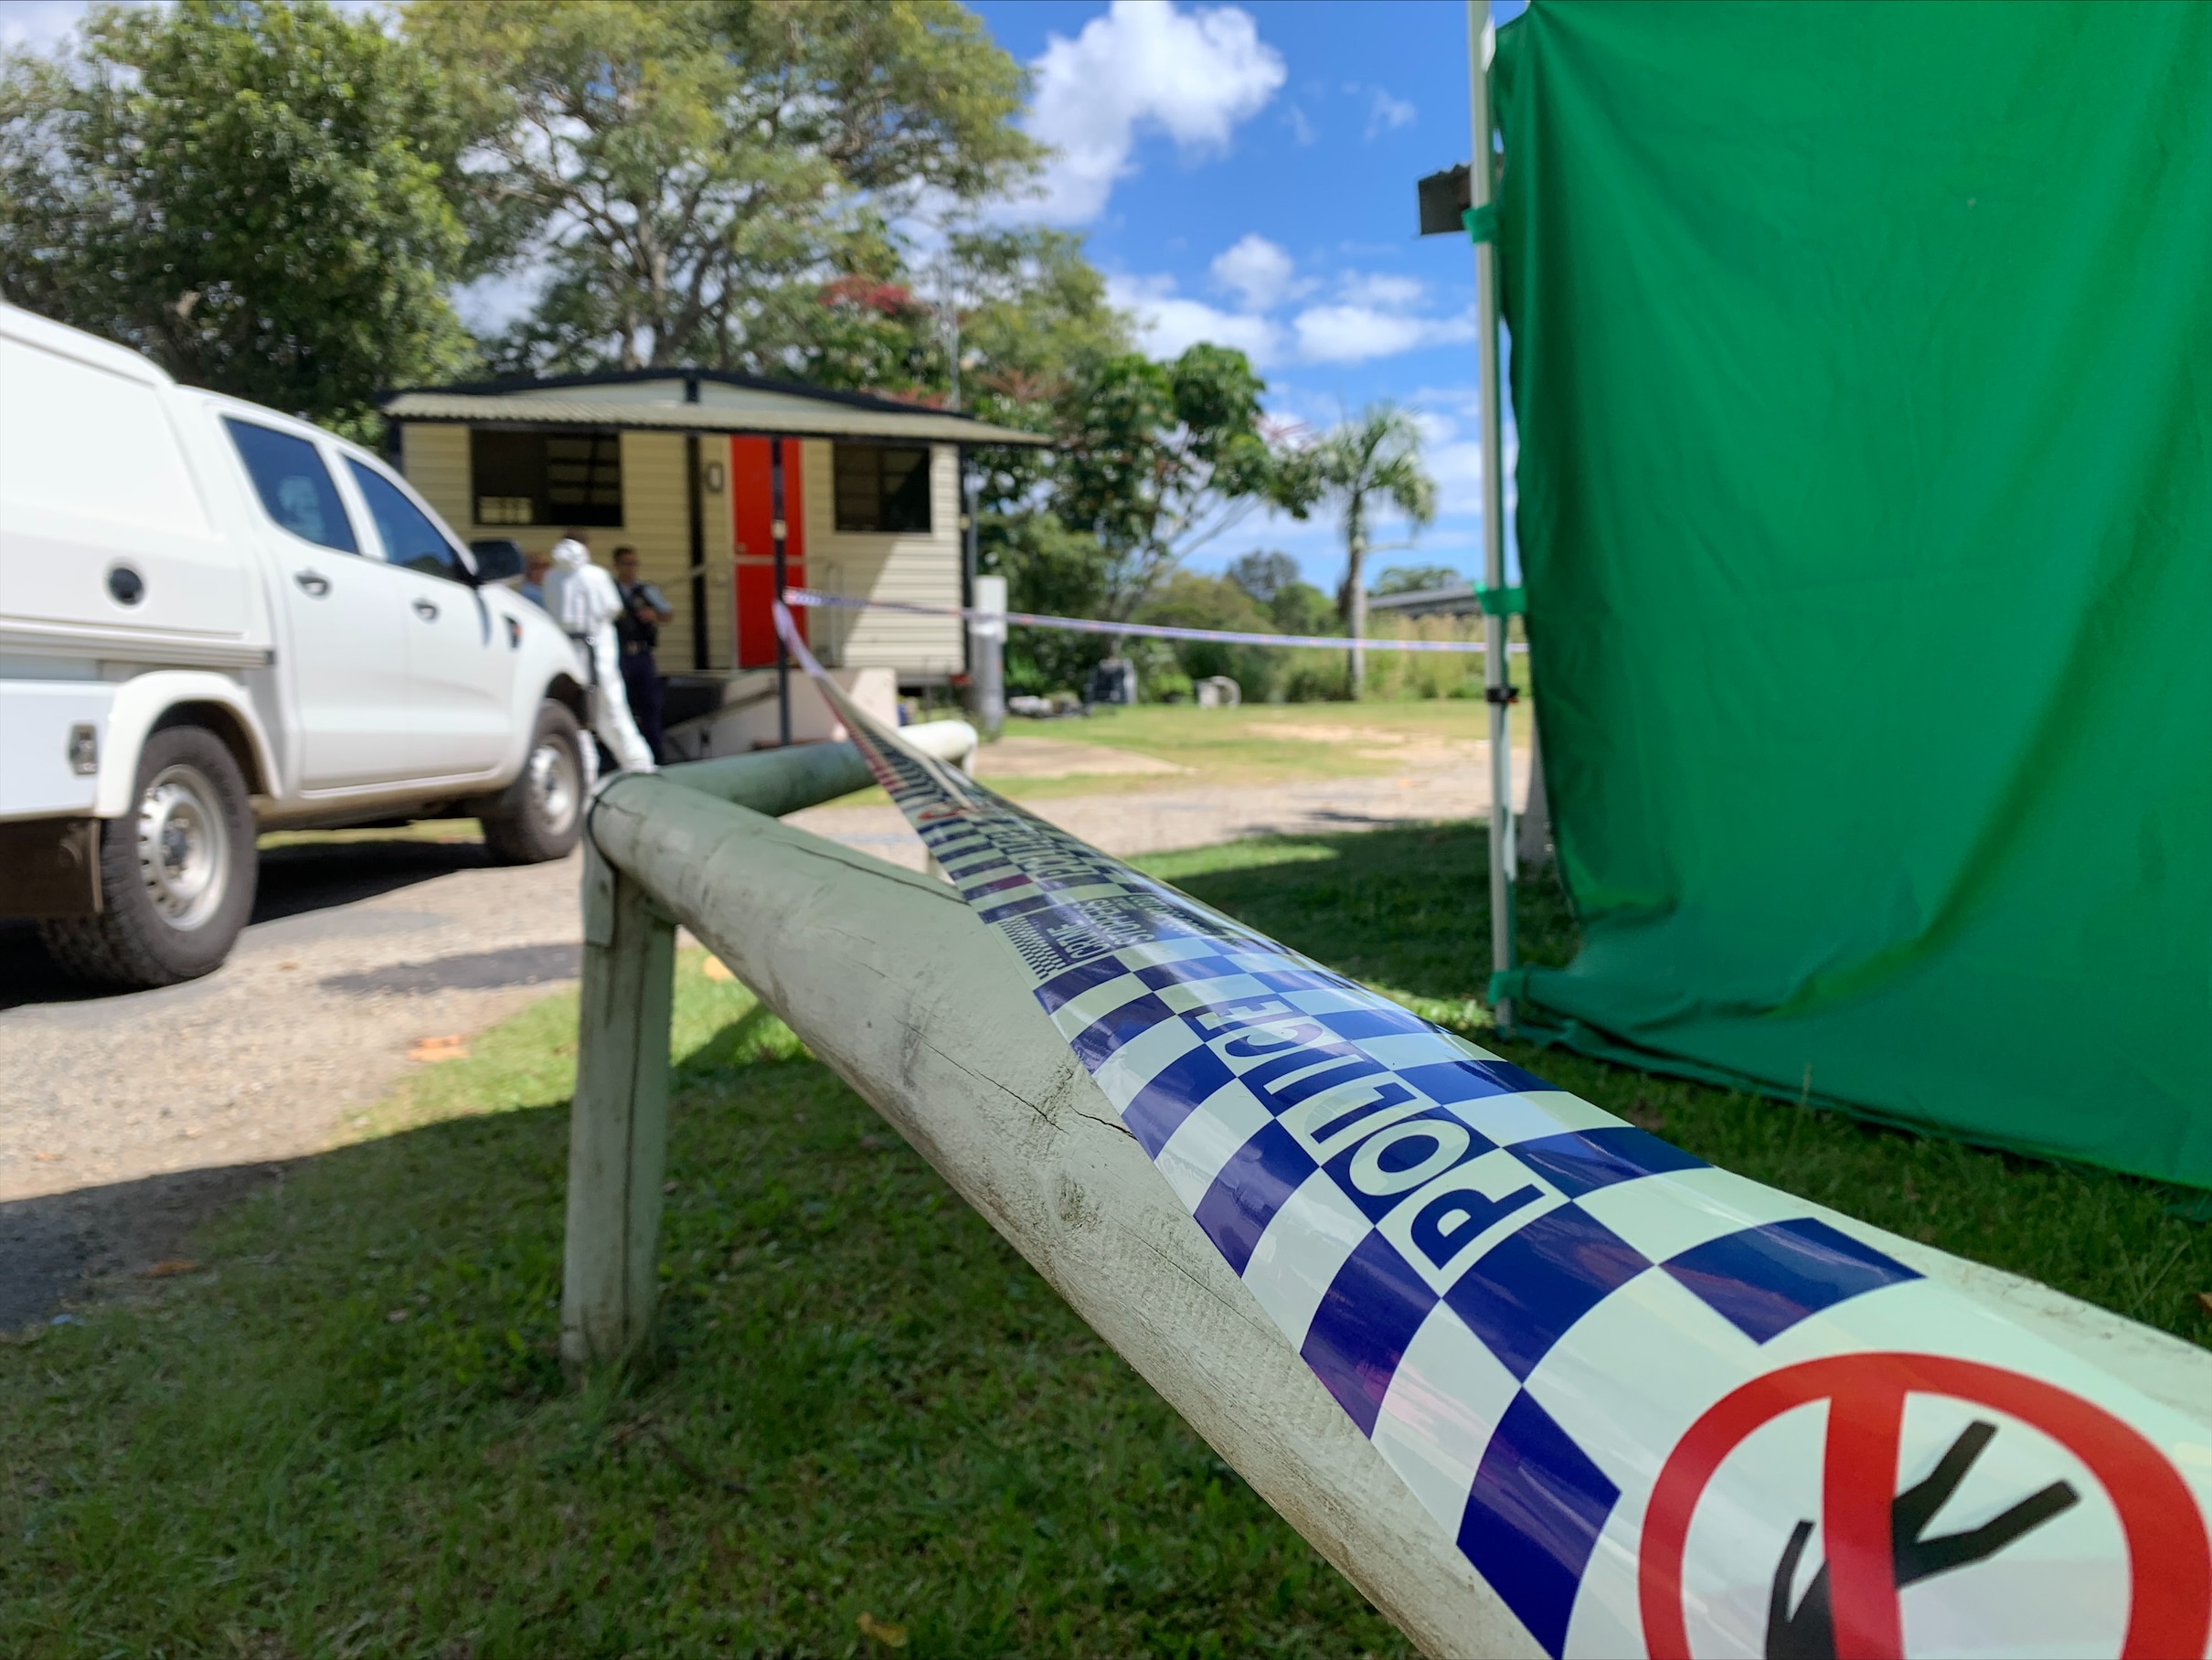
311	581
426	611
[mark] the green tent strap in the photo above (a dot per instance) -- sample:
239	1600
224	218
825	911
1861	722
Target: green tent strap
1503	601
1482	222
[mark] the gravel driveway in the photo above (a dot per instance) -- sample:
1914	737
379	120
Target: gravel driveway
123	1119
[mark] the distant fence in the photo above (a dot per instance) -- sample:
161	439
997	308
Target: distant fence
807	597
1534	1379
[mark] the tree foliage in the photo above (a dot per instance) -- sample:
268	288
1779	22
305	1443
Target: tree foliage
1272	581
694	174
1158	459
261	197
1054	571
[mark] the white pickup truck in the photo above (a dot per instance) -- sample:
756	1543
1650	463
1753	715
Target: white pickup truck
216	619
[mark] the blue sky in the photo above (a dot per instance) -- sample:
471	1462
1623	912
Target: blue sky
1244	174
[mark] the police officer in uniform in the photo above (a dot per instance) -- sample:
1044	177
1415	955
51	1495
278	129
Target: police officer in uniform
638	628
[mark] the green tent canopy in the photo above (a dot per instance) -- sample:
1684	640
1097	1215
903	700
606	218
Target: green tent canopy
1863	371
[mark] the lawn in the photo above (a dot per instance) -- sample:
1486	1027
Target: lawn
419	830
1280	743
865	1424
346	1435
1253	745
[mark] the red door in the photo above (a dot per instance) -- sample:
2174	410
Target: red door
751	497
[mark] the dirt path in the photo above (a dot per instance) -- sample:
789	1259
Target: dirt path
1454	784
125	1119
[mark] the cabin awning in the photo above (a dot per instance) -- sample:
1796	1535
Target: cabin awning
769	416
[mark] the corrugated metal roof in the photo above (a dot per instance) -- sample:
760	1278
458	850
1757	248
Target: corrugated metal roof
824	421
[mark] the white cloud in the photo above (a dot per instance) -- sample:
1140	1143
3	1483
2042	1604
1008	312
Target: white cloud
1457	467
1167	322
1381	289
1301	128
1370	314
1145	64
1352	333
1255	270
1386	114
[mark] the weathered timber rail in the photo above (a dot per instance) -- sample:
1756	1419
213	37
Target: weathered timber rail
897	984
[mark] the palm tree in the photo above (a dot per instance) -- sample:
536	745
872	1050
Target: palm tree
1374	459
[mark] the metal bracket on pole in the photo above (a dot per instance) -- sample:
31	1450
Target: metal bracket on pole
1503	601
618	1124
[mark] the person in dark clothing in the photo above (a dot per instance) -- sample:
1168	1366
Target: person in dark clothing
638	628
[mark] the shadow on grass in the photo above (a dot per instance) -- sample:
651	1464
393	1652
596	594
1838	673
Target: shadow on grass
349	1432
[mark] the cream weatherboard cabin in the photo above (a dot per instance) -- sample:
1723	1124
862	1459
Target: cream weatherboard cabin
685	466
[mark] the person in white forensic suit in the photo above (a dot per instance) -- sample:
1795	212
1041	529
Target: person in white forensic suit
584	599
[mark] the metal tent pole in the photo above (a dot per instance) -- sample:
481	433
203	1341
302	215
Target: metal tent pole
1481	43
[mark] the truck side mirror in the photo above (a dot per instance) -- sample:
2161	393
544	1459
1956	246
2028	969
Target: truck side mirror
498	560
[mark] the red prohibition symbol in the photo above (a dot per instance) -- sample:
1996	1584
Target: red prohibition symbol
2169	1559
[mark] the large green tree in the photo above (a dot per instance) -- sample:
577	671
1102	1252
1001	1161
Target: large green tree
261	197
696	173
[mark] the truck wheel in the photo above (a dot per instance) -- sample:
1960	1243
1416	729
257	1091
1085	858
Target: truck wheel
177	877
539	815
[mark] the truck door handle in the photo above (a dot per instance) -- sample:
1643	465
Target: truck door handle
311	582
426	611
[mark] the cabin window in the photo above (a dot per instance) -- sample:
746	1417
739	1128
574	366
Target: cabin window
547	478
883	487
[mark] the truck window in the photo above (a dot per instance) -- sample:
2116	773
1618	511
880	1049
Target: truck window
294	484
409	536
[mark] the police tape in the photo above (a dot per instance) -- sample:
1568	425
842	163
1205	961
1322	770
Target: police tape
814	597
1662	1410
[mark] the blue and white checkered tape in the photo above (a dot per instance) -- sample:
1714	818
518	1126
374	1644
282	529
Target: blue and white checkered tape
1544	1317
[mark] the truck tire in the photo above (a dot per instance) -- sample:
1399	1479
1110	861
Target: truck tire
540	814
176	876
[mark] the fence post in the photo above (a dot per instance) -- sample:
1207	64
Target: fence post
986	663
618	1124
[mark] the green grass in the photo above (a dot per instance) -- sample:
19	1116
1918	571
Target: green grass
1256	744
421	830
860	1400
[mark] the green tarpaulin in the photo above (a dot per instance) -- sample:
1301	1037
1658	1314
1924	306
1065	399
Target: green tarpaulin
1862	362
